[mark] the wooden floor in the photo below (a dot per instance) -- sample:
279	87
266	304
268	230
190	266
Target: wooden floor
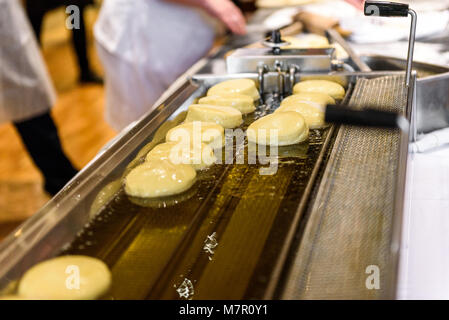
78	114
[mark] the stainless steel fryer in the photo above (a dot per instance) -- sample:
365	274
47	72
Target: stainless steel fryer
152	250
311	230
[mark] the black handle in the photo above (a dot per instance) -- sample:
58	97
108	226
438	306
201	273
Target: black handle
276	36
385	9
366	117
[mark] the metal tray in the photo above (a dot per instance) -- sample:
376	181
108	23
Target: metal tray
432	88
154	252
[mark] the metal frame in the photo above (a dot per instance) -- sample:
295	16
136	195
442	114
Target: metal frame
57	224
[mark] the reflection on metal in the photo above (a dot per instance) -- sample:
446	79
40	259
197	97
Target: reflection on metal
432	87
306	60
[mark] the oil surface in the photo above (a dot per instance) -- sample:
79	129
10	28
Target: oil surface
219	240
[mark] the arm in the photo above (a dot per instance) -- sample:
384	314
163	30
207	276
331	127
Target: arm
223	10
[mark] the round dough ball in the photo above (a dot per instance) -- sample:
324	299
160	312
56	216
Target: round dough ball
242	86
200	156
225	116
243	103
333	89
159	178
313	113
290	126
55	279
322	99
208	132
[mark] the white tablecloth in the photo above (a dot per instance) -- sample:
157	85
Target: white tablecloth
424	263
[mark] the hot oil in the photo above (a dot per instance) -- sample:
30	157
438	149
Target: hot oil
218	240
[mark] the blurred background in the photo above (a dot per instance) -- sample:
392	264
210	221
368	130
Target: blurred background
78	114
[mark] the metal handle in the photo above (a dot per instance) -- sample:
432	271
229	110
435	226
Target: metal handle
261	70
292	74
396	9
275	42
386	9
367	117
281	78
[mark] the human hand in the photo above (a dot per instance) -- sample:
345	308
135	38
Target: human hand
356	3
228	13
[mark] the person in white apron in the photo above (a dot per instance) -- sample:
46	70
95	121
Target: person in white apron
145	45
26	96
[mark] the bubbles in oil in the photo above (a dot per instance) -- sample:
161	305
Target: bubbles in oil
186	289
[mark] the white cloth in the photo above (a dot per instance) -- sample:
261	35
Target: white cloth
144	46
431	141
25	86
432	20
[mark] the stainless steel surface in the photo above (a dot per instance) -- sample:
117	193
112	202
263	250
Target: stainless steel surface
354	220
57	223
292	72
411	45
126	235
261	71
432	101
64	218
306	60
359	63
432	91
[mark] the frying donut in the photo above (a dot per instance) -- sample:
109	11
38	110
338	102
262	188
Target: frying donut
333	89
51	279
279	129
159	178
243	103
241	86
199	156
207	132
313	113
227	117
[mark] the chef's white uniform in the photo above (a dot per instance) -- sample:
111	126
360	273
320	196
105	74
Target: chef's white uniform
25	86
144	46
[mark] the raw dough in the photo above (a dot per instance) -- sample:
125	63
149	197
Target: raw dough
243	103
208	132
159	178
305	41
333	89
313	113
225	116
291	129
241	86
322	99
200	155
55	279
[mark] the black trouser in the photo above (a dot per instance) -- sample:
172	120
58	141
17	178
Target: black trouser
40	136
36	10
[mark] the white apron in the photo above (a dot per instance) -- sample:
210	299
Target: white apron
144	46
25	87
